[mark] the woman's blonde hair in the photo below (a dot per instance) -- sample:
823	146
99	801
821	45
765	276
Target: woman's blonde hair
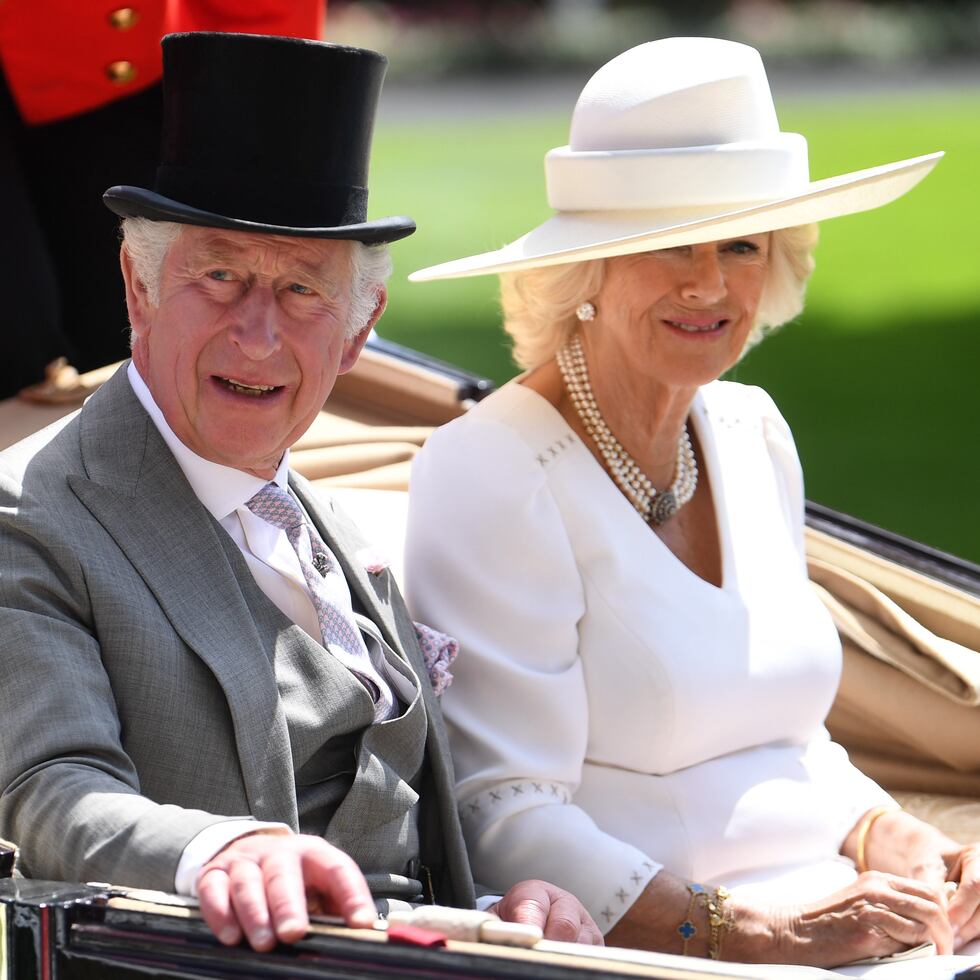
539	304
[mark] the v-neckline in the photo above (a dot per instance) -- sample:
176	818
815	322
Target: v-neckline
708	463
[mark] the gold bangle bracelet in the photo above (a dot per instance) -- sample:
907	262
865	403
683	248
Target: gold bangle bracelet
867	822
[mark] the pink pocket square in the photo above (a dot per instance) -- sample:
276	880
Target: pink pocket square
438	652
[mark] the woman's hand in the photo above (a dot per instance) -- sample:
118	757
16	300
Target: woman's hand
964	906
905	845
876	915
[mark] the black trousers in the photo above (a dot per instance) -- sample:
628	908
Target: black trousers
61	292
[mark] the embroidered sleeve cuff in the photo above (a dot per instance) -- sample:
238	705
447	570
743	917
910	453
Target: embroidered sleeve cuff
544	835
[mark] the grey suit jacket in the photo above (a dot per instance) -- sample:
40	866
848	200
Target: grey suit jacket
138	669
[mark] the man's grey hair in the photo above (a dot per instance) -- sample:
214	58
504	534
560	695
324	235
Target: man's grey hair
148	243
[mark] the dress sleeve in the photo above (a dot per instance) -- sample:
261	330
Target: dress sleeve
488	560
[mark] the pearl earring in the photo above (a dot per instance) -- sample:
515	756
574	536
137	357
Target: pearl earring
585	312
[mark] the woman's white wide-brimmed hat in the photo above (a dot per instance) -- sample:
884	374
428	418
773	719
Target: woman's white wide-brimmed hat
676	142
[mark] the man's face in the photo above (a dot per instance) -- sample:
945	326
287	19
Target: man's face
246	341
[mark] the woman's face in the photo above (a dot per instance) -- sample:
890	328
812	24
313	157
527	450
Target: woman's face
679	316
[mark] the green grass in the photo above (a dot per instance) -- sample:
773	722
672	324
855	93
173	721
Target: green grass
880	377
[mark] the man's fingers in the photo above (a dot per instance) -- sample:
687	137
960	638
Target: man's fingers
215	903
338	881
260	885
247	886
285	894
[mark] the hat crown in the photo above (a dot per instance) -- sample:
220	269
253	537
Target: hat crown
266	134
676	92
681	122
287	142
296	109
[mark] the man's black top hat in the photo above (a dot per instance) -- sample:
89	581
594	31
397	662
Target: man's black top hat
265	134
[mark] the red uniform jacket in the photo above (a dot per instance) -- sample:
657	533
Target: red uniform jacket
63	57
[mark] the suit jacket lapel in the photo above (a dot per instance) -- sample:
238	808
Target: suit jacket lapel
140	496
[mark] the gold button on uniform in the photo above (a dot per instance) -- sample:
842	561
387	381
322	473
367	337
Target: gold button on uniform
124	18
121	72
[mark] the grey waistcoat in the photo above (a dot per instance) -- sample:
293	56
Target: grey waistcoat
356	781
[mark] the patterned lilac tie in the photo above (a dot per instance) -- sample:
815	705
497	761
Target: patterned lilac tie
340	634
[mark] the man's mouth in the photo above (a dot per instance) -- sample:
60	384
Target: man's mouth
243	388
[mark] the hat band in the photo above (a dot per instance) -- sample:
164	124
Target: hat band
617	180
268	200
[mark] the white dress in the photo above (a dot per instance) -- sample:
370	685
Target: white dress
613	713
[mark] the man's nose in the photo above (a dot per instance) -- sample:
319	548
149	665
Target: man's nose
705	279
254	328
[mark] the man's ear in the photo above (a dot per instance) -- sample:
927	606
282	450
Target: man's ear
137	300
354	345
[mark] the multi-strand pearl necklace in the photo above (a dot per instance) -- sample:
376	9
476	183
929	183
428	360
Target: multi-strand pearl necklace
654	506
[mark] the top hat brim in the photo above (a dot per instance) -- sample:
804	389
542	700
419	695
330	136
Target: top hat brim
138	202
577	236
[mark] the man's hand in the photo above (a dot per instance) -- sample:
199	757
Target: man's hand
560	914
260	886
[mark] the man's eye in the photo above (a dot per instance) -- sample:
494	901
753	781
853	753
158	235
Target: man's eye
298	287
221	275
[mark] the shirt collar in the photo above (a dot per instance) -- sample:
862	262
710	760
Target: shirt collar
221	489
